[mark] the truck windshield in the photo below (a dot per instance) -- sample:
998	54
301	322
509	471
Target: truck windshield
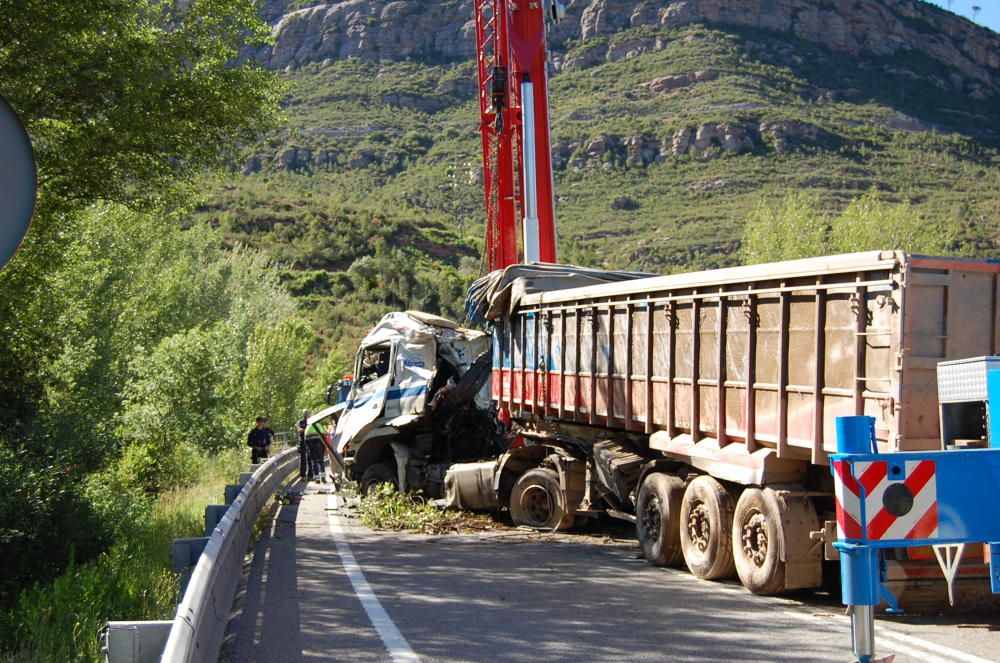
374	364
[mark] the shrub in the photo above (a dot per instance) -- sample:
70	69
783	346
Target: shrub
387	508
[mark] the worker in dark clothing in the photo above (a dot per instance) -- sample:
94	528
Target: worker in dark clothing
300	426
259	440
317	450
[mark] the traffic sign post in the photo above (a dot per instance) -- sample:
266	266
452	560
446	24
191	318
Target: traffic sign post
898	500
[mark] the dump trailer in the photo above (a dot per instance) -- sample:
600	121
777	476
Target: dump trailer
702	406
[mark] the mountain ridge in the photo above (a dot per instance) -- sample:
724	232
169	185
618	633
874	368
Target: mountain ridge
399	29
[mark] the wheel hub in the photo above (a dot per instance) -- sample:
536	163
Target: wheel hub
754	538
698	526
537	504
651	519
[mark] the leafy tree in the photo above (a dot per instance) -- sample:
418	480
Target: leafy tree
797	228
869	223
273	378
794	228
125	101
126	98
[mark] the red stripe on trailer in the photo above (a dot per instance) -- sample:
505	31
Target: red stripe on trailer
878	525
917	480
848	501
956	265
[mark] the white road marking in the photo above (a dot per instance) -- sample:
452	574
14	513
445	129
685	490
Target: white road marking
901	640
399	648
892	647
931	646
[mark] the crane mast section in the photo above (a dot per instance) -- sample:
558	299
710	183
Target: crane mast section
514	125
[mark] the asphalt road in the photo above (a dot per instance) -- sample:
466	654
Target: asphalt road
322	587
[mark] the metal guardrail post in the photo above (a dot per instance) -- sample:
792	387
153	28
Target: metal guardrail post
904	499
135	642
213	516
185	552
231	492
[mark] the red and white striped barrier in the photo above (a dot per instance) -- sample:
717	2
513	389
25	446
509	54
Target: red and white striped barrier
900	502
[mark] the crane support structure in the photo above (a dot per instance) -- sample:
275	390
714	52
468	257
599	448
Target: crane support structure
514	110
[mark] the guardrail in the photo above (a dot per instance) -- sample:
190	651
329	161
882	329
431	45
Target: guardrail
197	631
202	616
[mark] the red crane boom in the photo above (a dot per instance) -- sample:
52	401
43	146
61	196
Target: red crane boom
514	111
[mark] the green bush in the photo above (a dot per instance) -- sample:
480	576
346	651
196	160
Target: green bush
798	227
60	621
386	508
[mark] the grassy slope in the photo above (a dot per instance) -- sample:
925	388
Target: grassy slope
419	199
61	621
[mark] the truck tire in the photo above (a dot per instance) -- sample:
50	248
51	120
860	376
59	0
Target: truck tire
537	501
706	529
757	541
658	517
379	473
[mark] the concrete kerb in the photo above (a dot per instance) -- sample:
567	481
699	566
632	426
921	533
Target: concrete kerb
201	618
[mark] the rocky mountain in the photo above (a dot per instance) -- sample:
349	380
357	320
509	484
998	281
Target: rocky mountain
444	32
671	121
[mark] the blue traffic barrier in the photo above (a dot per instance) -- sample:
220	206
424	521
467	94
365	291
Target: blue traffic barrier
903	499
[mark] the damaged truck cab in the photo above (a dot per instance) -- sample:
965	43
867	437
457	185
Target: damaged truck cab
418	403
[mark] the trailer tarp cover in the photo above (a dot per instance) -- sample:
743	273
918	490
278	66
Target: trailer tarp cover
500	291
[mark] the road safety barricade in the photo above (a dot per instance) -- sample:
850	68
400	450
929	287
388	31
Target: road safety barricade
897	500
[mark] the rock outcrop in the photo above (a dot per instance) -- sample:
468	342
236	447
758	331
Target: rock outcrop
444	32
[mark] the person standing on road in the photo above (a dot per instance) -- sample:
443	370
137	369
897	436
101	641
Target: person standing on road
259	440
303	447
316	461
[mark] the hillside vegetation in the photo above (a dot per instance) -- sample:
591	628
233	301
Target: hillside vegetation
136	346
664	140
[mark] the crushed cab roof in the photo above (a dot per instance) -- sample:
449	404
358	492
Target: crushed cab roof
403	324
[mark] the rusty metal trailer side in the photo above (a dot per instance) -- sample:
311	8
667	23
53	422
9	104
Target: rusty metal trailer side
743	371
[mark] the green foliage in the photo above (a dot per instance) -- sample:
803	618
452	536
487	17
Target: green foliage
173	398
44	520
796	227
386	508
869	223
126	98
61	621
150	332
418	194
273	378
126	102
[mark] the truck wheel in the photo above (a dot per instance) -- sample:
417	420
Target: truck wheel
657	518
375	475
706	529
757	540
537	501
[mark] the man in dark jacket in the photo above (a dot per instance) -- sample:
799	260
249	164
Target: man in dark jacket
259	440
